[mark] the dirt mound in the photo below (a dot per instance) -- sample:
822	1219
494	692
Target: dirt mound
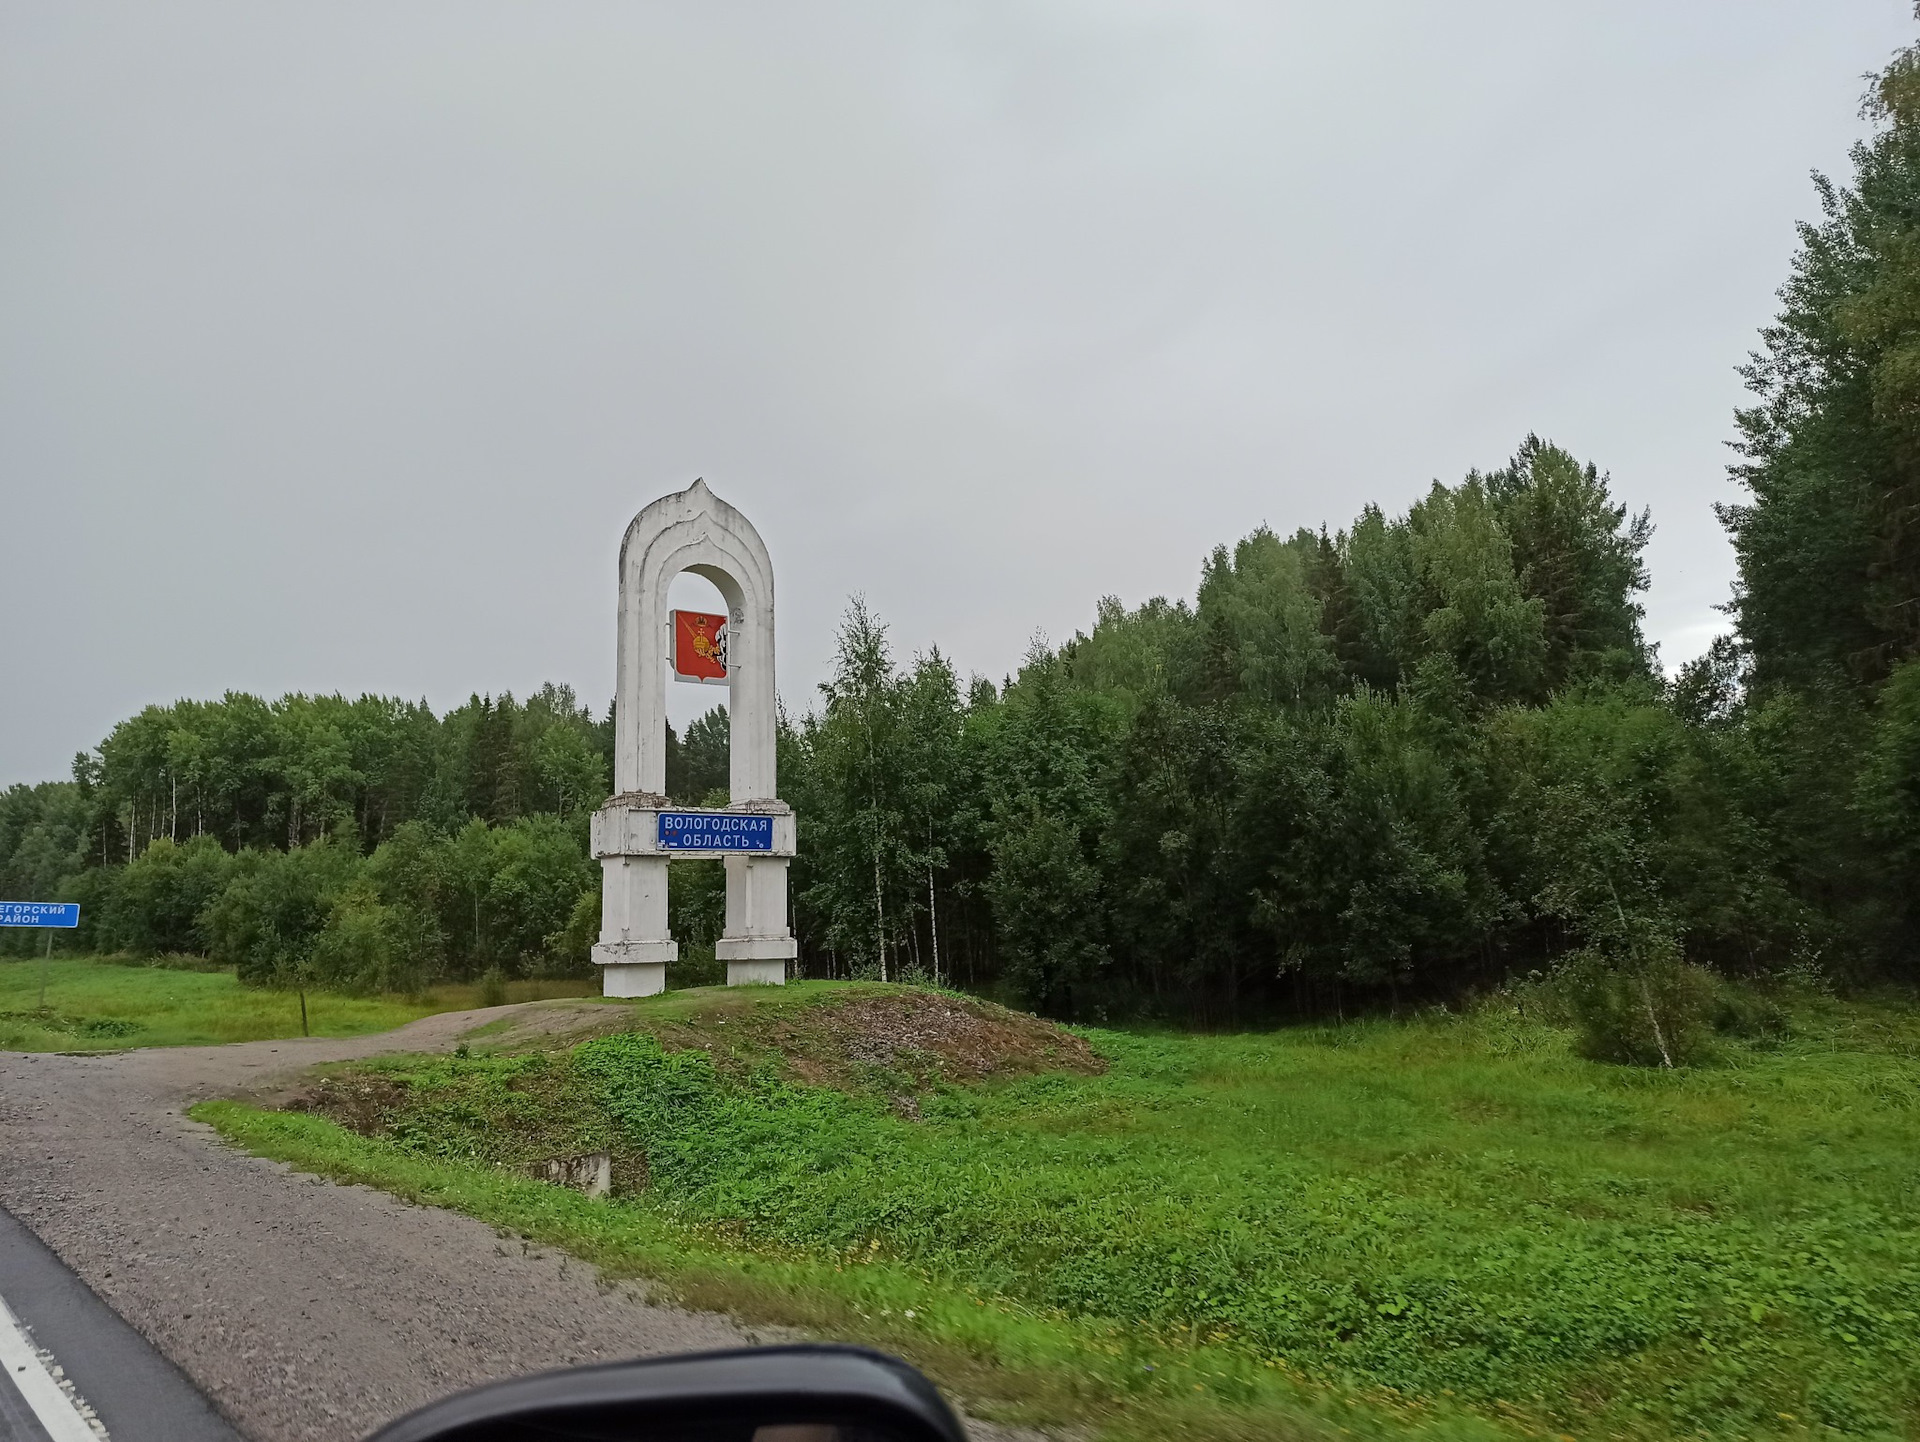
859	1036
359	1101
968	1040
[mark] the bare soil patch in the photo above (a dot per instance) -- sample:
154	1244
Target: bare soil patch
857	1038
359	1101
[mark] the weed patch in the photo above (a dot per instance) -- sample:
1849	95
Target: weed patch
62	1024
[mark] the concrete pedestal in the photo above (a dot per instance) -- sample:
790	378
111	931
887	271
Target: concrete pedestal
645	978
756	973
756	945
634	946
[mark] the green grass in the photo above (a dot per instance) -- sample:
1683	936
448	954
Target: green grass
95	1004
1450	1227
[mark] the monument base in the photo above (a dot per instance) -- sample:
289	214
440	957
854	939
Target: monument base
639	978
756	973
634	968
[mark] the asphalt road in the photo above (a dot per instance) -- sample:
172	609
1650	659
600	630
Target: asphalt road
115	1374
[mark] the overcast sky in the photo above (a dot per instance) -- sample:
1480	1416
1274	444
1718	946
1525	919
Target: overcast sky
339	342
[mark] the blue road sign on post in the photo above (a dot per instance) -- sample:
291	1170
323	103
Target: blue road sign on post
712	831
39	913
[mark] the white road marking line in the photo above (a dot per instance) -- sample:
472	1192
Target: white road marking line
24	1369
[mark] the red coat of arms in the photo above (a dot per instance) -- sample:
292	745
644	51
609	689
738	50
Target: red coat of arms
700	647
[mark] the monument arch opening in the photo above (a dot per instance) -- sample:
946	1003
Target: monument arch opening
639	831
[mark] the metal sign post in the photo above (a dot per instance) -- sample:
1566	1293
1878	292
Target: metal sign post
49	915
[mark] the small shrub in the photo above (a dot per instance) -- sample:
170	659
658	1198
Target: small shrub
493	987
1751	1015
1658	1012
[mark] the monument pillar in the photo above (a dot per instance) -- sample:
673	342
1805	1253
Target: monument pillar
638	833
756	945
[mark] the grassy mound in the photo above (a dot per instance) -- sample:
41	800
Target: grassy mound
875	1046
1454	1224
864	1038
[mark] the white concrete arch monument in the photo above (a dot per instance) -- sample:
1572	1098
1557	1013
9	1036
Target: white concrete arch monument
639	832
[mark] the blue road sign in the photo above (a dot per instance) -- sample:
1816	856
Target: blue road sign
39	913
714	831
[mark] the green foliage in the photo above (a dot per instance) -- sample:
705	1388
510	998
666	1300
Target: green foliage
1797	755
699	767
1653	1010
570	950
265	921
1578	555
369	946
1261	623
1134	656
256	774
1372	765
1375	765
43	842
1391	761
571	769
1828	601
1379	618
1374	877
1829	558
1177	876
1478	615
697	914
422	907
880	780
1046	757
1889	780
157	903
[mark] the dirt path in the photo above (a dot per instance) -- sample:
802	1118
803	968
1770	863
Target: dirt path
302	1308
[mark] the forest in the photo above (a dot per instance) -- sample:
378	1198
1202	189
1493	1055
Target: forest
1361	768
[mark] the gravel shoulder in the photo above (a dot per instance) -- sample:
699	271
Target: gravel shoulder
302	1308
